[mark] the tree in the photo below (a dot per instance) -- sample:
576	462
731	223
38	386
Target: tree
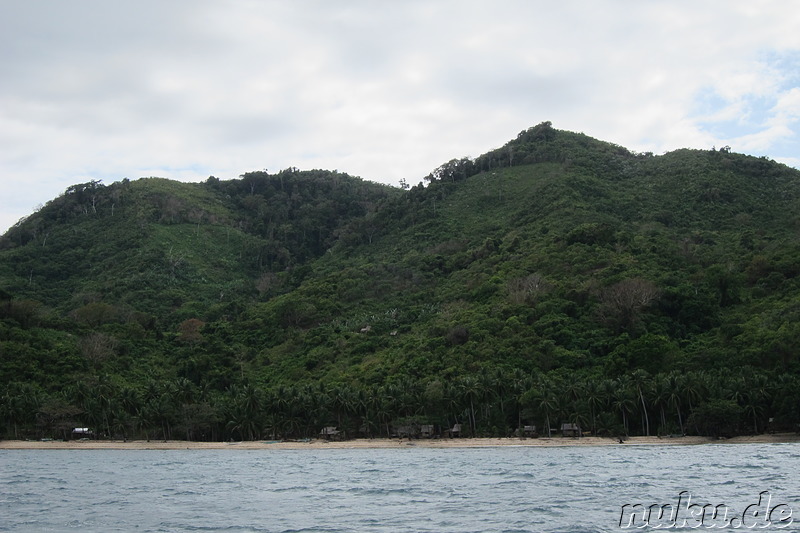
622	303
541	399
649	352
98	347
527	289
624	400
18	404
641	382
95	314
674	388
472	392
189	331
56	417
594	397
755	398
245	412
717	418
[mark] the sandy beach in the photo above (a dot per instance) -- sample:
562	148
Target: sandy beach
385	443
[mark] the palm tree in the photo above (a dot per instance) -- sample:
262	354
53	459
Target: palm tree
693	387
306	410
6	409
20	403
785	402
546	401
370	401
156	413
472	392
183	396
433	400
129	400
572	389
500	387
660	400
142	420
361	410
272	403
240	422
520	383
736	389
384	408
756	397
103	404
492	387
453	400
409	396
244	411
641	382
624	400
675	386
343	403
594	399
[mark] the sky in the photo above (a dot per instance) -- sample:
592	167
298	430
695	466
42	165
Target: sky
384	90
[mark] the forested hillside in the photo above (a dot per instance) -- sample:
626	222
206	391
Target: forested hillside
555	279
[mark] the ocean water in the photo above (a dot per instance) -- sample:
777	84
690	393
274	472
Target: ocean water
501	489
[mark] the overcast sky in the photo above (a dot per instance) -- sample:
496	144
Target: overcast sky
383	90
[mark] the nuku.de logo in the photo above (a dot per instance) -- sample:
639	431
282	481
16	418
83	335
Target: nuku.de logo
686	514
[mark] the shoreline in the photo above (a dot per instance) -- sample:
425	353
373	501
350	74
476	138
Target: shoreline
382	443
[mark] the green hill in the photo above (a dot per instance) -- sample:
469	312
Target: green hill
555	279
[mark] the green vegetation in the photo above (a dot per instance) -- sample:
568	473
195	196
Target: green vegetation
556	279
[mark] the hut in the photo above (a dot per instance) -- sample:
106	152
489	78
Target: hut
571	430
81	433
329	432
455	431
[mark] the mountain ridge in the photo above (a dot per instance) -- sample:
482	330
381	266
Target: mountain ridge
556	258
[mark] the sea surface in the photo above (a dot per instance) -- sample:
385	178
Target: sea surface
500	489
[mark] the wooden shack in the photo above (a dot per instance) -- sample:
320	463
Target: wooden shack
455	431
329	433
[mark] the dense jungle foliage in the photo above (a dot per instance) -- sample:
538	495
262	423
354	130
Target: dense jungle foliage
556	279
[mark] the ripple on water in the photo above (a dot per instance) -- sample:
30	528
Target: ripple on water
416	489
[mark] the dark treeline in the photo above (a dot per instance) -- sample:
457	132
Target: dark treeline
493	404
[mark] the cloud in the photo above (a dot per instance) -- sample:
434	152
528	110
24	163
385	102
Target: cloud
97	90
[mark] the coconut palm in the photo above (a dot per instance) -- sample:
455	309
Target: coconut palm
343	402
675	387
694	388
245	412
641	382
472	391
519	383
384	407
756	397
546	401
20	403
623	400
500	386
659	389
594	398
